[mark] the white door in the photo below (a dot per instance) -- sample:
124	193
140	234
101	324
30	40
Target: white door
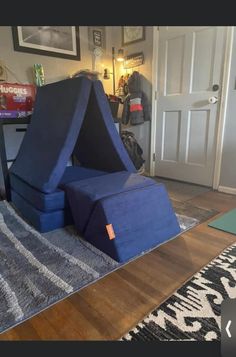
189	74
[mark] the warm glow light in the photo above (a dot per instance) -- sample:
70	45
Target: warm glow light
120	56
122	69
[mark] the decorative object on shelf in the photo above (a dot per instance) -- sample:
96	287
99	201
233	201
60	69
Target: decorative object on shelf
119	58
39	75
132	34
97	37
56	41
134	60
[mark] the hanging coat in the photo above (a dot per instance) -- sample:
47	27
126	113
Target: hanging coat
136	107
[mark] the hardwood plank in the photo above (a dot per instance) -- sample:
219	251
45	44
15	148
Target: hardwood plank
215	200
19	333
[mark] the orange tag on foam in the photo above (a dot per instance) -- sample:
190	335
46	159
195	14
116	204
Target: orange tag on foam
110	231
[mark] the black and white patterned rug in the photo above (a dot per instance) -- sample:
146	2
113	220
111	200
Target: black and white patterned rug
193	312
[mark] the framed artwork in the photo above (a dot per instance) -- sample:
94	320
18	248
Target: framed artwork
56	41
132	34
134	60
97	37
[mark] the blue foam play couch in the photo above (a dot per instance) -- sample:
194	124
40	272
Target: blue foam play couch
114	208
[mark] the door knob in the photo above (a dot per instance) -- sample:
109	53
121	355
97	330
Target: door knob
213	100
215	87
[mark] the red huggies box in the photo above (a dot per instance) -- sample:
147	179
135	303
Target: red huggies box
16	100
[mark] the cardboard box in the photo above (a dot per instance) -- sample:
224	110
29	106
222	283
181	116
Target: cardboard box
16	100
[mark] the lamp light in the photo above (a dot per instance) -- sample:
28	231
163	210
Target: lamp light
119	58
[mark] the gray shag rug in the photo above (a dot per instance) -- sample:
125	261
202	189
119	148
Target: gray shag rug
38	270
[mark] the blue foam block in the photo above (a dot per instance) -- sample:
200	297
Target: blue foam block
138	209
42	221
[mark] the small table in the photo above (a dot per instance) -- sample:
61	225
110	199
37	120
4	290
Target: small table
3	156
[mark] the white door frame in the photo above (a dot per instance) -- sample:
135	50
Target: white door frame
222	108
154	99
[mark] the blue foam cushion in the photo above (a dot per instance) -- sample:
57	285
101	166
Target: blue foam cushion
42	221
42	201
141	219
138	208
83	194
52	134
99	145
77	173
48	202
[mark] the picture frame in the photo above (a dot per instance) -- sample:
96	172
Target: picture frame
55	41
97	37
133	60
132	34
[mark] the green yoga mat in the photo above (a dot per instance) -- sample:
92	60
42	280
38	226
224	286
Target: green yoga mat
226	222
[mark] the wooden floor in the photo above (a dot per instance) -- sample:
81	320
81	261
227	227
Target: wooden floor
112	306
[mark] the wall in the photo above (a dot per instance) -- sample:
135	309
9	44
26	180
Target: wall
228	167
142	132
55	68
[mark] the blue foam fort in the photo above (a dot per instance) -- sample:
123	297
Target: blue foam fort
102	193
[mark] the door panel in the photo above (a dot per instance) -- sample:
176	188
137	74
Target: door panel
174	65
190	62
171	126
197	137
203	58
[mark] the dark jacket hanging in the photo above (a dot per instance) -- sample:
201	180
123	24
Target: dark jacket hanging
136	107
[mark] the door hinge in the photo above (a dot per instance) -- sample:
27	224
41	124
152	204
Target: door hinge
154	157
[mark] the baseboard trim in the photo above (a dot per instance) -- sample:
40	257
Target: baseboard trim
225	189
